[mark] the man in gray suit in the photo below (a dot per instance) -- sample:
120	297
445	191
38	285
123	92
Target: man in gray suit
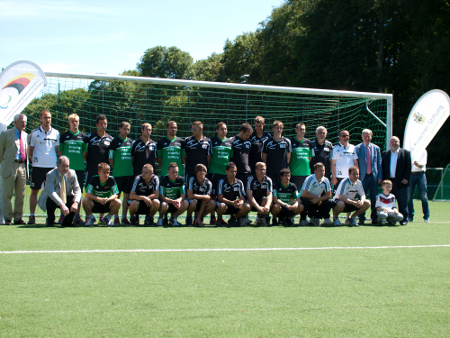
61	191
369	156
14	168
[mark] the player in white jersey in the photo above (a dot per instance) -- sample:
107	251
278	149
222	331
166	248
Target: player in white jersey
346	198
343	157
386	205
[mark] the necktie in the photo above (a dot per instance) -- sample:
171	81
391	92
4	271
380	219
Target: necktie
22	148
369	161
62	192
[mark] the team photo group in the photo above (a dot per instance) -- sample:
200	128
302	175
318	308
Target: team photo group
256	171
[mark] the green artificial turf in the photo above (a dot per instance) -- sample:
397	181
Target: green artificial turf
320	292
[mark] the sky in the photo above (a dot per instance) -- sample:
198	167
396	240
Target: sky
110	36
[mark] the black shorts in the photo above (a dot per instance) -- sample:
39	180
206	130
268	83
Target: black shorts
172	209
285	213
143	208
124	183
349	208
215	179
298	181
259	201
38	176
231	210
80	178
100	208
199	204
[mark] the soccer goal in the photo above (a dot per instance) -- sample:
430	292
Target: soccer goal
443	191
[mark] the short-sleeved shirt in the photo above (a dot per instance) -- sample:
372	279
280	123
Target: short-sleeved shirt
301	152
97	148
256	148
143	189
204	188
315	187
284	193
322	154
44	143
221	153
172	189
277	154
171	151
259	189
120	152
196	152
349	189
143	154
344	157
73	145
386	202
241	153
231	191
102	190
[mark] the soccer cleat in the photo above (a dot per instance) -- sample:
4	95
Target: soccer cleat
32	220
289	222
107	220
403	223
100	221
165	221
315	221
274	221
219	223
160	222
242	221
116	220
189	221
352	222
173	222
133	221
90	221
327	222
49	224
347	221
61	220
126	221
247	220
232	222
149	221
361	222
212	221
79	221
224	222
426	220
337	222
258	220
303	222
391	223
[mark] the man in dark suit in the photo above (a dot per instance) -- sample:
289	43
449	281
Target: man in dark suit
369	160
61	191
396	163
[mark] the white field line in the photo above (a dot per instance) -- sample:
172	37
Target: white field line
229	249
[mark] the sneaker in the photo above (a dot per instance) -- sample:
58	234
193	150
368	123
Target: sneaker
116	220
125	221
160	222
426	220
281	221
247	220
218	223
410	220
173	222
337	222
90	221
361	222
232	222
347	221
79	221
265	221
289	222
32	220
259	220
61	220
100	221
149	221
49	224
107	220
303	222
242	221
327	222
391	223
133	221
352	221
315	221
224	222
380	222
189	221
212	221
274	221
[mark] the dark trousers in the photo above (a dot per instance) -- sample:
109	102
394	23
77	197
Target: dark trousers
370	186
400	191
315	210
52	206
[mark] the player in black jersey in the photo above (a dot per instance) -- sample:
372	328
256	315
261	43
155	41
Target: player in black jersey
259	194
172	195
144	196
143	150
199	194
276	152
231	198
241	146
286	201
198	149
101	196
257	139
322	151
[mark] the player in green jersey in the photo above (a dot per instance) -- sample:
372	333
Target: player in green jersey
171	149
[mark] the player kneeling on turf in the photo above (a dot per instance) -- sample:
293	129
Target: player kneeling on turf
101	196
259	194
199	195
144	196
172	195
386	206
231	198
286	202
345	198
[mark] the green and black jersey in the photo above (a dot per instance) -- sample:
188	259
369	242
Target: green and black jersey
120	152
171	151
285	193
302	151
73	145
102	190
222	151
172	189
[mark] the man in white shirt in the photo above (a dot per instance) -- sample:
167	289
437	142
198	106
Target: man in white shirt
343	157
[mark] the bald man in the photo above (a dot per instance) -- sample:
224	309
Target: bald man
396	166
